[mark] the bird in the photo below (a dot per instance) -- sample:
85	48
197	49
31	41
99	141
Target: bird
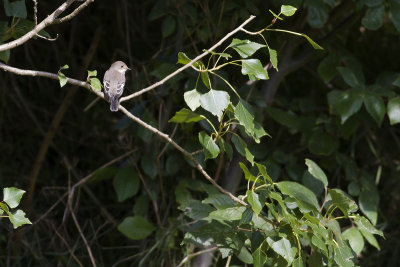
114	82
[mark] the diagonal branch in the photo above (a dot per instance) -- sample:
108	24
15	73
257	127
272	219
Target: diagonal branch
162	135
50	20
189	64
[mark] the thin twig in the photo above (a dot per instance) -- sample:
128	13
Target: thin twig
73	13
83	237
139	121
188	257
49	20
155	206
35	12
189	64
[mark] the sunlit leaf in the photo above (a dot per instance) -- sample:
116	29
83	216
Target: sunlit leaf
355	239
288	10
96	84
254	69
316	171
342	201
215	102
245	48
302	194
211	149
12	196
18	218
393	110
254	201
192	99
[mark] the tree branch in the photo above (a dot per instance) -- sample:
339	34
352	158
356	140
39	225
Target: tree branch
162	135
189	64
50	20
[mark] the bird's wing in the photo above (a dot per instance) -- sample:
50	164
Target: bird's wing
106	82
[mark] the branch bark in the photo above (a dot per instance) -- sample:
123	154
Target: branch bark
144	90
162	135
50	20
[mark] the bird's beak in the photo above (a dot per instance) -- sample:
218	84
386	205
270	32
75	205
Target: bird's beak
128	68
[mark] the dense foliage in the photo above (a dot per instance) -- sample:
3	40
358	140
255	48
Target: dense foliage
305	139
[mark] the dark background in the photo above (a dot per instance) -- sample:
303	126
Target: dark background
83	141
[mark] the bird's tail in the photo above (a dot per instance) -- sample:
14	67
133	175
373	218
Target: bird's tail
114	103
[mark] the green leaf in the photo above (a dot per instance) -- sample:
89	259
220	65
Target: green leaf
317	241
287	119
317	14
273	57
350	77
62	79
247	173
373	19
220	201
365	225
192	99
321	143
15	8
355	239
263	170
254	69
206	79
241	147
284	248
342	201
215	102
247	216
393	110
168	26
186	116
254	201
4	55
369	201
304	196
92	73
259	258
245	256
225	146
370	239
245	116
126	183
12	196
229	214
327	69
395	10
149	165
343	256
375	107
275	15
245	48
65	67
211	149
259	132
96	84
183	58
136	227
348	103
316	171
288	10
18	218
